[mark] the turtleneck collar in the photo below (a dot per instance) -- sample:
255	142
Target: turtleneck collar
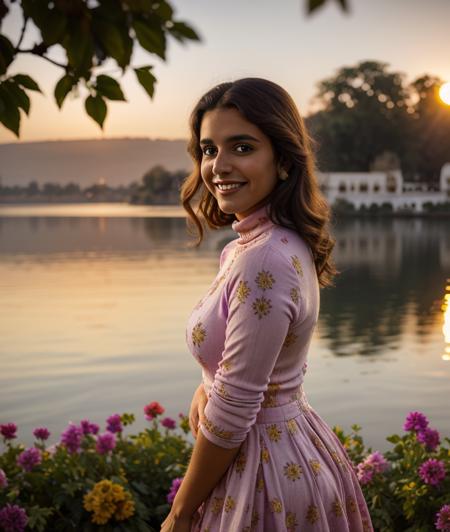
252	225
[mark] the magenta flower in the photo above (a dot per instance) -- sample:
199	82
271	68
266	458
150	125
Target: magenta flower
365	472
3	479
432	471
168	422
176	483
415	421
29	458
89	428
71	438
378	462
152	410
8	431
105	442
443	519
374	463
41	433
114	423
429	437
13	518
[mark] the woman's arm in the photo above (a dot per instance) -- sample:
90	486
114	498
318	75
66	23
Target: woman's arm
207	465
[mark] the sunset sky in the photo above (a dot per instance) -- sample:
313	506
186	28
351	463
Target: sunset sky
240	38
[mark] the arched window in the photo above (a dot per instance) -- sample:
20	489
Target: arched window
376	187
391	183
363	187
342	187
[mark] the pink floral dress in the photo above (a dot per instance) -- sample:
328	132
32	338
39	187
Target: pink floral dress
251	333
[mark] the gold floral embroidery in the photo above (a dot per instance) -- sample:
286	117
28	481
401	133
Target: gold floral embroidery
292	426
198	334
284	240
290	339
313	514
217	505
366	525
294	295
297	265
262	306
291	521
265	456
241	462
255	518
221	390
270	396
264	280
337	508
243	291
351	505
316	441
260	483
315	466
292	471
226	435
226	365
274	432
229	504
276	505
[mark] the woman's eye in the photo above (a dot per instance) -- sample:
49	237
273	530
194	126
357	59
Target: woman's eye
206	148
246	147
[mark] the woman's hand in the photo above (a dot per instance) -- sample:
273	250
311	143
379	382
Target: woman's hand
198	404
178	524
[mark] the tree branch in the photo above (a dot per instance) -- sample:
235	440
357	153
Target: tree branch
41	54
22	33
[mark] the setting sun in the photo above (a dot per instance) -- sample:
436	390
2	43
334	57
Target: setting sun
444	93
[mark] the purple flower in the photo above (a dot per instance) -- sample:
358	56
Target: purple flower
71	438
371	465
415	421
13	518
443	518
114	423
168	422
41	433
29	458
8	431
365	472
429	437
176	483
89	428
432	471
378	462
105	442
3	479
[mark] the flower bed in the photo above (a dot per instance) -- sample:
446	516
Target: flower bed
94	481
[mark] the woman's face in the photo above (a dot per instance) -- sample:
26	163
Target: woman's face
236	152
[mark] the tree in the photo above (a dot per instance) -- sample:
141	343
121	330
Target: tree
90	33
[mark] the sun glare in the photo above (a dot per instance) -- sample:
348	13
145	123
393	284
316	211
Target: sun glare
444	93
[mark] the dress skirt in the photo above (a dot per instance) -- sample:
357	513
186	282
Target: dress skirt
291	474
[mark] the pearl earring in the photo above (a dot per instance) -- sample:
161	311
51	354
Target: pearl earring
282	174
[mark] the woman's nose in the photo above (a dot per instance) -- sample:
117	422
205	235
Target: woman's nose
222	164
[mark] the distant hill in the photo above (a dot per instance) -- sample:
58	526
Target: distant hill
117	161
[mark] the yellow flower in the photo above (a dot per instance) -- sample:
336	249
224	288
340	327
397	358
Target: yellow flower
107	499
124	510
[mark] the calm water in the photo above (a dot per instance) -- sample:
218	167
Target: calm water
95	299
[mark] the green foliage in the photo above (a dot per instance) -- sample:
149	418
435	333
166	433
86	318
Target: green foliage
90	33
159	187
143	464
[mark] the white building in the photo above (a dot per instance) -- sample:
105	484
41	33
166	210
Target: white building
365	188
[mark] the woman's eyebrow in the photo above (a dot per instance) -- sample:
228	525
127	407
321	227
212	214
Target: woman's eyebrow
233	138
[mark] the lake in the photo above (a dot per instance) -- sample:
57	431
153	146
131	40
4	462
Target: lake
95	300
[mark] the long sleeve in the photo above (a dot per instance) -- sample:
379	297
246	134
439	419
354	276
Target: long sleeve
262	295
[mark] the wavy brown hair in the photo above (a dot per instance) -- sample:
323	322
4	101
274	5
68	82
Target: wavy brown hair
297	202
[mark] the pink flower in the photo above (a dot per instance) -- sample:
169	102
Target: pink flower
168	422
3	479
114	423
429	437
29	458
415	421
71	438
152	410
105	442
378	462
443	519
176	483
41	433
432	471
365	472
89	428
371	465
8	431
13	518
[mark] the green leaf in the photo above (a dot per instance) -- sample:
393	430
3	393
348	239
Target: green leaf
114	39
18	95
315	4
181	31
3	10
164	10
150	36
62	89
9	115
109	88
54	28
6	53
79	47
27	82
146	79
96	108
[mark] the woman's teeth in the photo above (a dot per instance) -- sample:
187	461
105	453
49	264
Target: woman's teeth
229	187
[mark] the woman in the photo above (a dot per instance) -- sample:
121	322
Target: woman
263	459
